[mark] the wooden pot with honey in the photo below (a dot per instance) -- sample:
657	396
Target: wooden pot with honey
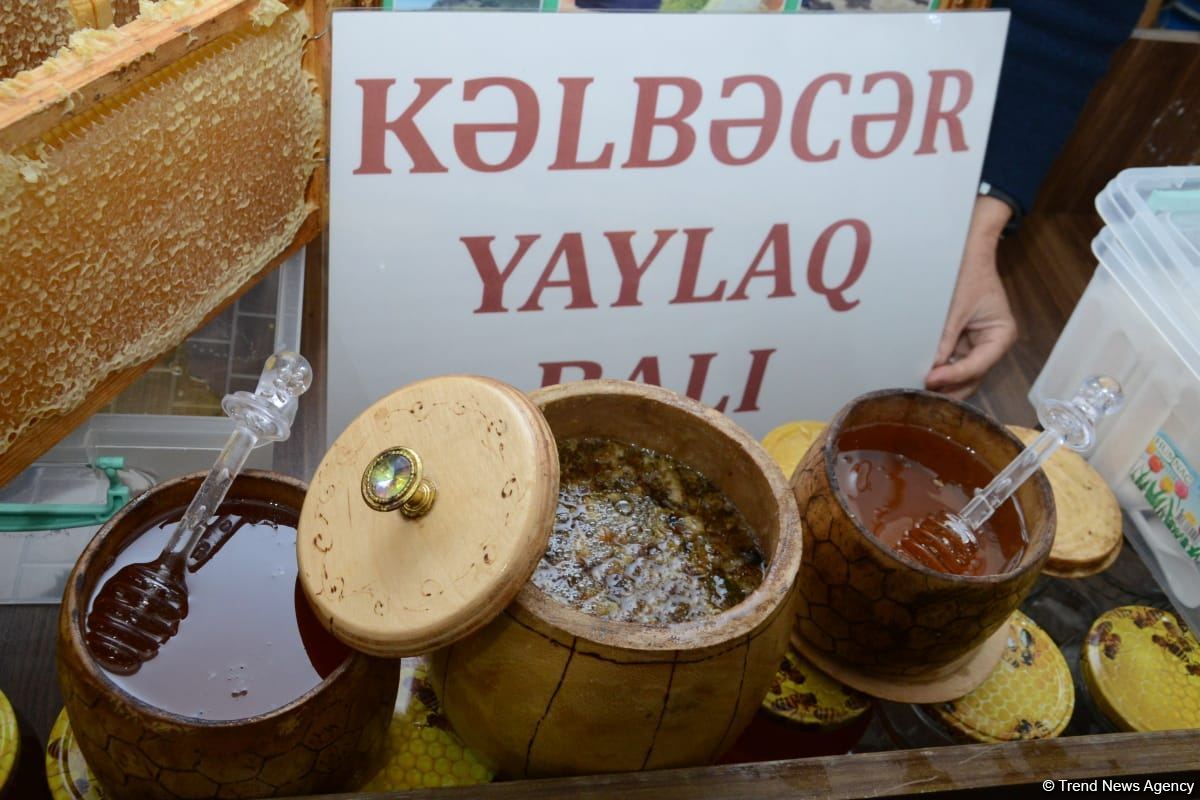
251	697
604	574
885	605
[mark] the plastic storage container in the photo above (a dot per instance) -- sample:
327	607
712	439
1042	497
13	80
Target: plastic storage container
167	424
1139	321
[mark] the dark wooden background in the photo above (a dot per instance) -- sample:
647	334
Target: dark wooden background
1145	113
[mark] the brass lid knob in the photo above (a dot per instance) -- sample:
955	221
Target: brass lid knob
395	479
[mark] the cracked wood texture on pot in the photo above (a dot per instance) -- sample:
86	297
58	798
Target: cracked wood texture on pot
546	689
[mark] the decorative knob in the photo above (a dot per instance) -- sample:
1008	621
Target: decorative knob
395	479
271	410
1076	420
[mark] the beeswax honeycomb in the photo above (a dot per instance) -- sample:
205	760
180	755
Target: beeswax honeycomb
124	11
123	228
84	45
32	31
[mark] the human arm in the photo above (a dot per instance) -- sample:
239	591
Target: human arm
980	327
1054	54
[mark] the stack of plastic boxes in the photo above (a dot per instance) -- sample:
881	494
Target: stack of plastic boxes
1139	321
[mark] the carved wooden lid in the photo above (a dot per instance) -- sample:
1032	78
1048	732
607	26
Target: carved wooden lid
428	515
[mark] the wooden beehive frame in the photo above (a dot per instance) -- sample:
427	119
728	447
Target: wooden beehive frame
146	46
149	45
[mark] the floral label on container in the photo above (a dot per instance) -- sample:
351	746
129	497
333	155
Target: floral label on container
1168	483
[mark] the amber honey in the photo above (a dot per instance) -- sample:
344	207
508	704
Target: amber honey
896	477
249	643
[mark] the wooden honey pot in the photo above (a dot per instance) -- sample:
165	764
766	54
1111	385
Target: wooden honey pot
883	622
316	741
532	684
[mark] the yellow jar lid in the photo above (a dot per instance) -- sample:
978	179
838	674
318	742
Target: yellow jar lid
1030	694
66	771
1142	669
10	741
802	694
788	443
422	751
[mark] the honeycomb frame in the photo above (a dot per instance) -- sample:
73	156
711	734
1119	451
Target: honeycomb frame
32	31
117	243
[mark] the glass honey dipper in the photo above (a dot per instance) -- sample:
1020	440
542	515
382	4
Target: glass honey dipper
947	541
140	607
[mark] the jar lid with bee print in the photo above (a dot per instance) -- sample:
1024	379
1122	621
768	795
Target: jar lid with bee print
803	695
1029	695
806	713
1142	669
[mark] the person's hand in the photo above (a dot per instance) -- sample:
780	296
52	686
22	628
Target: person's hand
980	327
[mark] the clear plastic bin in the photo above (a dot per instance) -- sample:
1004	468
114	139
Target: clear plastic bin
167	424
1139	321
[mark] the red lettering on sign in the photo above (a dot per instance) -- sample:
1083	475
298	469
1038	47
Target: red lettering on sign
631	271
569	128
524	129
835	295
480	248
376	126
699	376
758	369
646	119
647	371
900	118
677	135
934	113
767	124
569	249
777	240
689	274
803	116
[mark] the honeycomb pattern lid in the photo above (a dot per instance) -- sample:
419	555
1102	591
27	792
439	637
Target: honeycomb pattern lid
804	695
1030	694
788	443
10	741
422	751
1142	669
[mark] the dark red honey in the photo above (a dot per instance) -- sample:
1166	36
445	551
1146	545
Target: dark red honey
249	643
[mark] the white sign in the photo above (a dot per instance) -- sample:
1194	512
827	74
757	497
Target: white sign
765	212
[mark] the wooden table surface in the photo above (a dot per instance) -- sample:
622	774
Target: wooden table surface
1046	267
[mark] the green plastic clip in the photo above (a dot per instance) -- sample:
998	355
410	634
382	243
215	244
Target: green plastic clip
1174	200
56	516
